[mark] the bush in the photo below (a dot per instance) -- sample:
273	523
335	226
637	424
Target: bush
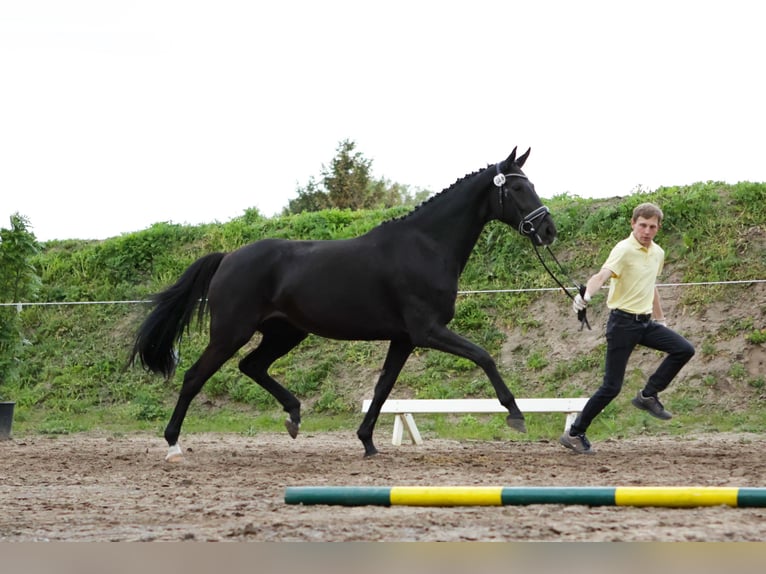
18	282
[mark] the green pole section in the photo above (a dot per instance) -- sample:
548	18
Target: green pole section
339	495
590	496
751	497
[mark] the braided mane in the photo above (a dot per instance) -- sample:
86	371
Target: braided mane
435	197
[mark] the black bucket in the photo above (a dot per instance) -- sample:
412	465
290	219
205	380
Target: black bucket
6	419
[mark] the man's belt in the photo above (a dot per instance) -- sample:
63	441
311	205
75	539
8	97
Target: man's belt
635	316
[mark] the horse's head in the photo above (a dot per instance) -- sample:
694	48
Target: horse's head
517	203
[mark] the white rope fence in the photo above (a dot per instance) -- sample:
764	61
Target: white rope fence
20	305
739	282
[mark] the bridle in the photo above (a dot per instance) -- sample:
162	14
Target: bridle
527	229
528	221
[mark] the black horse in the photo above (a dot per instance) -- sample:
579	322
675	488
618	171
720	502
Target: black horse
398	282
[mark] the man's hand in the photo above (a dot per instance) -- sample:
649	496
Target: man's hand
580	302
662	322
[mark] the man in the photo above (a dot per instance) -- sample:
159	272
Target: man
636	318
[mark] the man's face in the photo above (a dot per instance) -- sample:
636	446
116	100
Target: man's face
645	229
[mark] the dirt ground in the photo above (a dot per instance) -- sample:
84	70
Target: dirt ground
88	487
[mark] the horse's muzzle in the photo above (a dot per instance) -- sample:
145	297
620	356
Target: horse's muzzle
546	232
538	226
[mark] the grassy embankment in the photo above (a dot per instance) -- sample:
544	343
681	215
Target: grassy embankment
72	374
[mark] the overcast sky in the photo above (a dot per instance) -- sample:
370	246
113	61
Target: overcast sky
115	115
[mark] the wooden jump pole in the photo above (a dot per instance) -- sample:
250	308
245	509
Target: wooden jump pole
664	496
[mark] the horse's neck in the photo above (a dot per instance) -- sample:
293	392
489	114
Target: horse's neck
453	221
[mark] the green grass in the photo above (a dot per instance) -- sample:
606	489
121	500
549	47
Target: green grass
121	419
618	420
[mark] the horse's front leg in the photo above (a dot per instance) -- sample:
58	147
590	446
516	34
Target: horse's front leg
450	342
398	352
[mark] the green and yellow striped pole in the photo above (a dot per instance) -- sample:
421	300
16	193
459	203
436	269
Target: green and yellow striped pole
666	496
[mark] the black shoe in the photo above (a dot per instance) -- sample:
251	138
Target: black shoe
578	443
652	405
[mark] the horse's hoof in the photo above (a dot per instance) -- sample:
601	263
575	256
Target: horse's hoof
369	453
174	454
292	428
516	423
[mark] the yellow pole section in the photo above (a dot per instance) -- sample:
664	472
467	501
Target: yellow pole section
447	495
680	496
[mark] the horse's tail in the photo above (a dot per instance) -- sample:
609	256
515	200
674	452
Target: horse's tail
173	311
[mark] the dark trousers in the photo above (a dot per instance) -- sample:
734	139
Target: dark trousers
622	336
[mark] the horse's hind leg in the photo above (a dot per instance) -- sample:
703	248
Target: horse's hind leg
209	362
279	337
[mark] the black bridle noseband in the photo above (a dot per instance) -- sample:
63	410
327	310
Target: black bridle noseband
527	229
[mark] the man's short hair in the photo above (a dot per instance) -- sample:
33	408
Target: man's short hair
647	211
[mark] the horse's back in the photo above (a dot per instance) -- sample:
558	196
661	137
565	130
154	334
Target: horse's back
343	289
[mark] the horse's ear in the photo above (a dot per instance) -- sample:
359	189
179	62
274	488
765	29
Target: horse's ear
511	159
523	158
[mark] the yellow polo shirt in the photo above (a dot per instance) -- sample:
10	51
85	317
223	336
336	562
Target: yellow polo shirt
634	271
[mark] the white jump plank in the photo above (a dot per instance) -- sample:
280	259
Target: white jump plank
402	409
540	405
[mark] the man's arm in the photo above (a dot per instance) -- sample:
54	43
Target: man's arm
591	288
596	282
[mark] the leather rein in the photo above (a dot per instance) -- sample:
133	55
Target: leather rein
527	228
